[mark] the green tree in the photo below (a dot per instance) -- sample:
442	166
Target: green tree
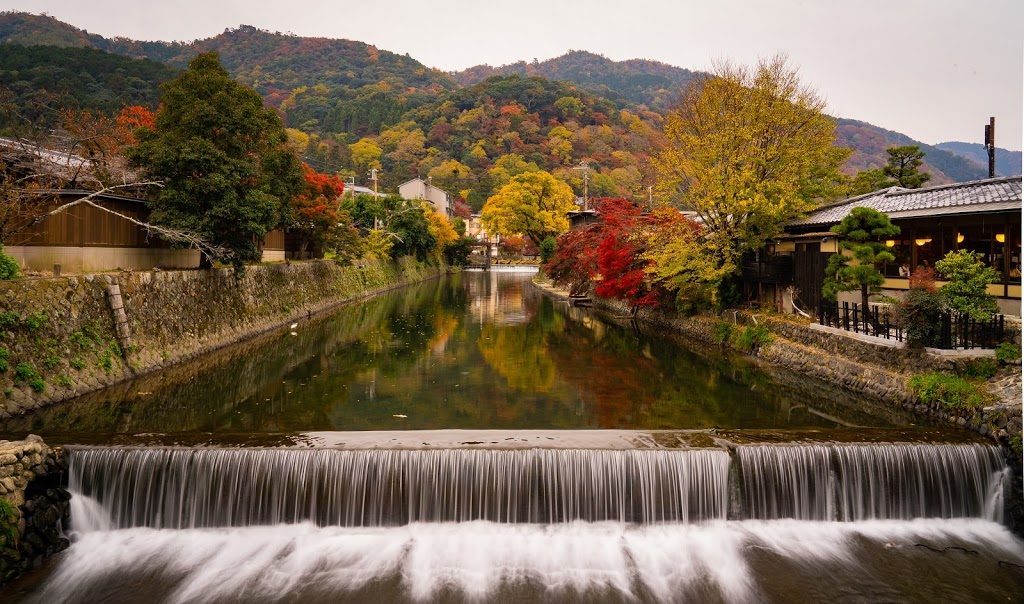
863	232
227	172
534	204
904	166
868	181
967	289
748	150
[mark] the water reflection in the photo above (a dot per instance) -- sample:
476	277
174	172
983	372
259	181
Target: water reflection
475	350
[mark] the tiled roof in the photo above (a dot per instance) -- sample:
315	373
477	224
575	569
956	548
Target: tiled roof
988	195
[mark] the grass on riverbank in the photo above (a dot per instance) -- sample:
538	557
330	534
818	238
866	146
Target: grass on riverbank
950	391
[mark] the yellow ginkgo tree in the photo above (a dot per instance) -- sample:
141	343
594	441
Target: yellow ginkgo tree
533	204
747	150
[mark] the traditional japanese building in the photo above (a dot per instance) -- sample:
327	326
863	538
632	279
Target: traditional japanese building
983	216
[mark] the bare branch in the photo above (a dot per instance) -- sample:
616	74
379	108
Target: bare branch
211	251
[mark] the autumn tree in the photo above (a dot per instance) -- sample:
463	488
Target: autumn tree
748	150
533	204
228	173
317	219
904	166
862	234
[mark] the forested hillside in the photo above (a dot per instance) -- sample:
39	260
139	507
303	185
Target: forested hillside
350	106
636	81
1008	163
38	78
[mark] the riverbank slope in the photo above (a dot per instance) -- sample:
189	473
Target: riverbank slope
66	336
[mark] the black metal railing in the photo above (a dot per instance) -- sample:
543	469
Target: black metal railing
954	330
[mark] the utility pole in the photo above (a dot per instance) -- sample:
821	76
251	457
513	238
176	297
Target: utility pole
373	176
990	146
583	167
650	197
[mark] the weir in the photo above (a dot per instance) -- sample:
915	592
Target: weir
191	488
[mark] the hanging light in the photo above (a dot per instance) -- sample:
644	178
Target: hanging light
1001	237
889	243
959	237
921	242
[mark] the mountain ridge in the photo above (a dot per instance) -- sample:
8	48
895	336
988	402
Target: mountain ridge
326	85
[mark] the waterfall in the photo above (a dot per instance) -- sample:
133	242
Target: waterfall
863	482
188	488
194	488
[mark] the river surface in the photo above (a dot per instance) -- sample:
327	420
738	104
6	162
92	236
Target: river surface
471	351
467	439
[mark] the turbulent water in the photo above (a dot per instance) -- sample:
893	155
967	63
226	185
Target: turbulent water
748	561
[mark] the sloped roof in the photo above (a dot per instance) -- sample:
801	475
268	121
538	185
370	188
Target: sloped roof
987	195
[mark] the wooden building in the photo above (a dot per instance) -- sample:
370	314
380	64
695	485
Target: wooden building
84	239
983	216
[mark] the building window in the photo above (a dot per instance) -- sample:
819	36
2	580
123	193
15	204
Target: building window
900	248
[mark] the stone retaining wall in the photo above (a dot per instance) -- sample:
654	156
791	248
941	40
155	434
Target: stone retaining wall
30	481
62	337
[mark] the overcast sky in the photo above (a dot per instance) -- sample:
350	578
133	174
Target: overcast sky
932	69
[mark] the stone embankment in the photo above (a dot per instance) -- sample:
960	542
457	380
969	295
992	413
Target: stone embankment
65	336
34	508
878	370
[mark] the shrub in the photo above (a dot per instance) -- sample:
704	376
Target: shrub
949	391
37	384
918	314
967	290
24	372
64	381
752	338
8	266
9	319
4	356
35	320
547	249
51	361
8	524
1007	353
77	363
981	368
457	252
722	333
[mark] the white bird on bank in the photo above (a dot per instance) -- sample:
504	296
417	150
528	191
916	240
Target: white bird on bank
293	325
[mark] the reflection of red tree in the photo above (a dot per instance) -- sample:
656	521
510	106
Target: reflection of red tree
616	389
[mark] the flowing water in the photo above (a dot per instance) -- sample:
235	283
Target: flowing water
706	479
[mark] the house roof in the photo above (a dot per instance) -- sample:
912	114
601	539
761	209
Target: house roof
972	197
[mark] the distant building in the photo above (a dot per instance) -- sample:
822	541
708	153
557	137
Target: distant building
418	188
360	190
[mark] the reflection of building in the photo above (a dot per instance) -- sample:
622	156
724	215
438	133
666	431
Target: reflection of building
496	300
418	188
983	216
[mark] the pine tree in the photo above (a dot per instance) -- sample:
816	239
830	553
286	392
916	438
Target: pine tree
904	164
863	232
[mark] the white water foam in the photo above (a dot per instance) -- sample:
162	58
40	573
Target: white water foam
478	559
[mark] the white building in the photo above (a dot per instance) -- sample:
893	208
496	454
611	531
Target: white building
418	188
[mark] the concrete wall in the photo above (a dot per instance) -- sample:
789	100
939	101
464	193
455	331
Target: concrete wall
89	259
80	334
